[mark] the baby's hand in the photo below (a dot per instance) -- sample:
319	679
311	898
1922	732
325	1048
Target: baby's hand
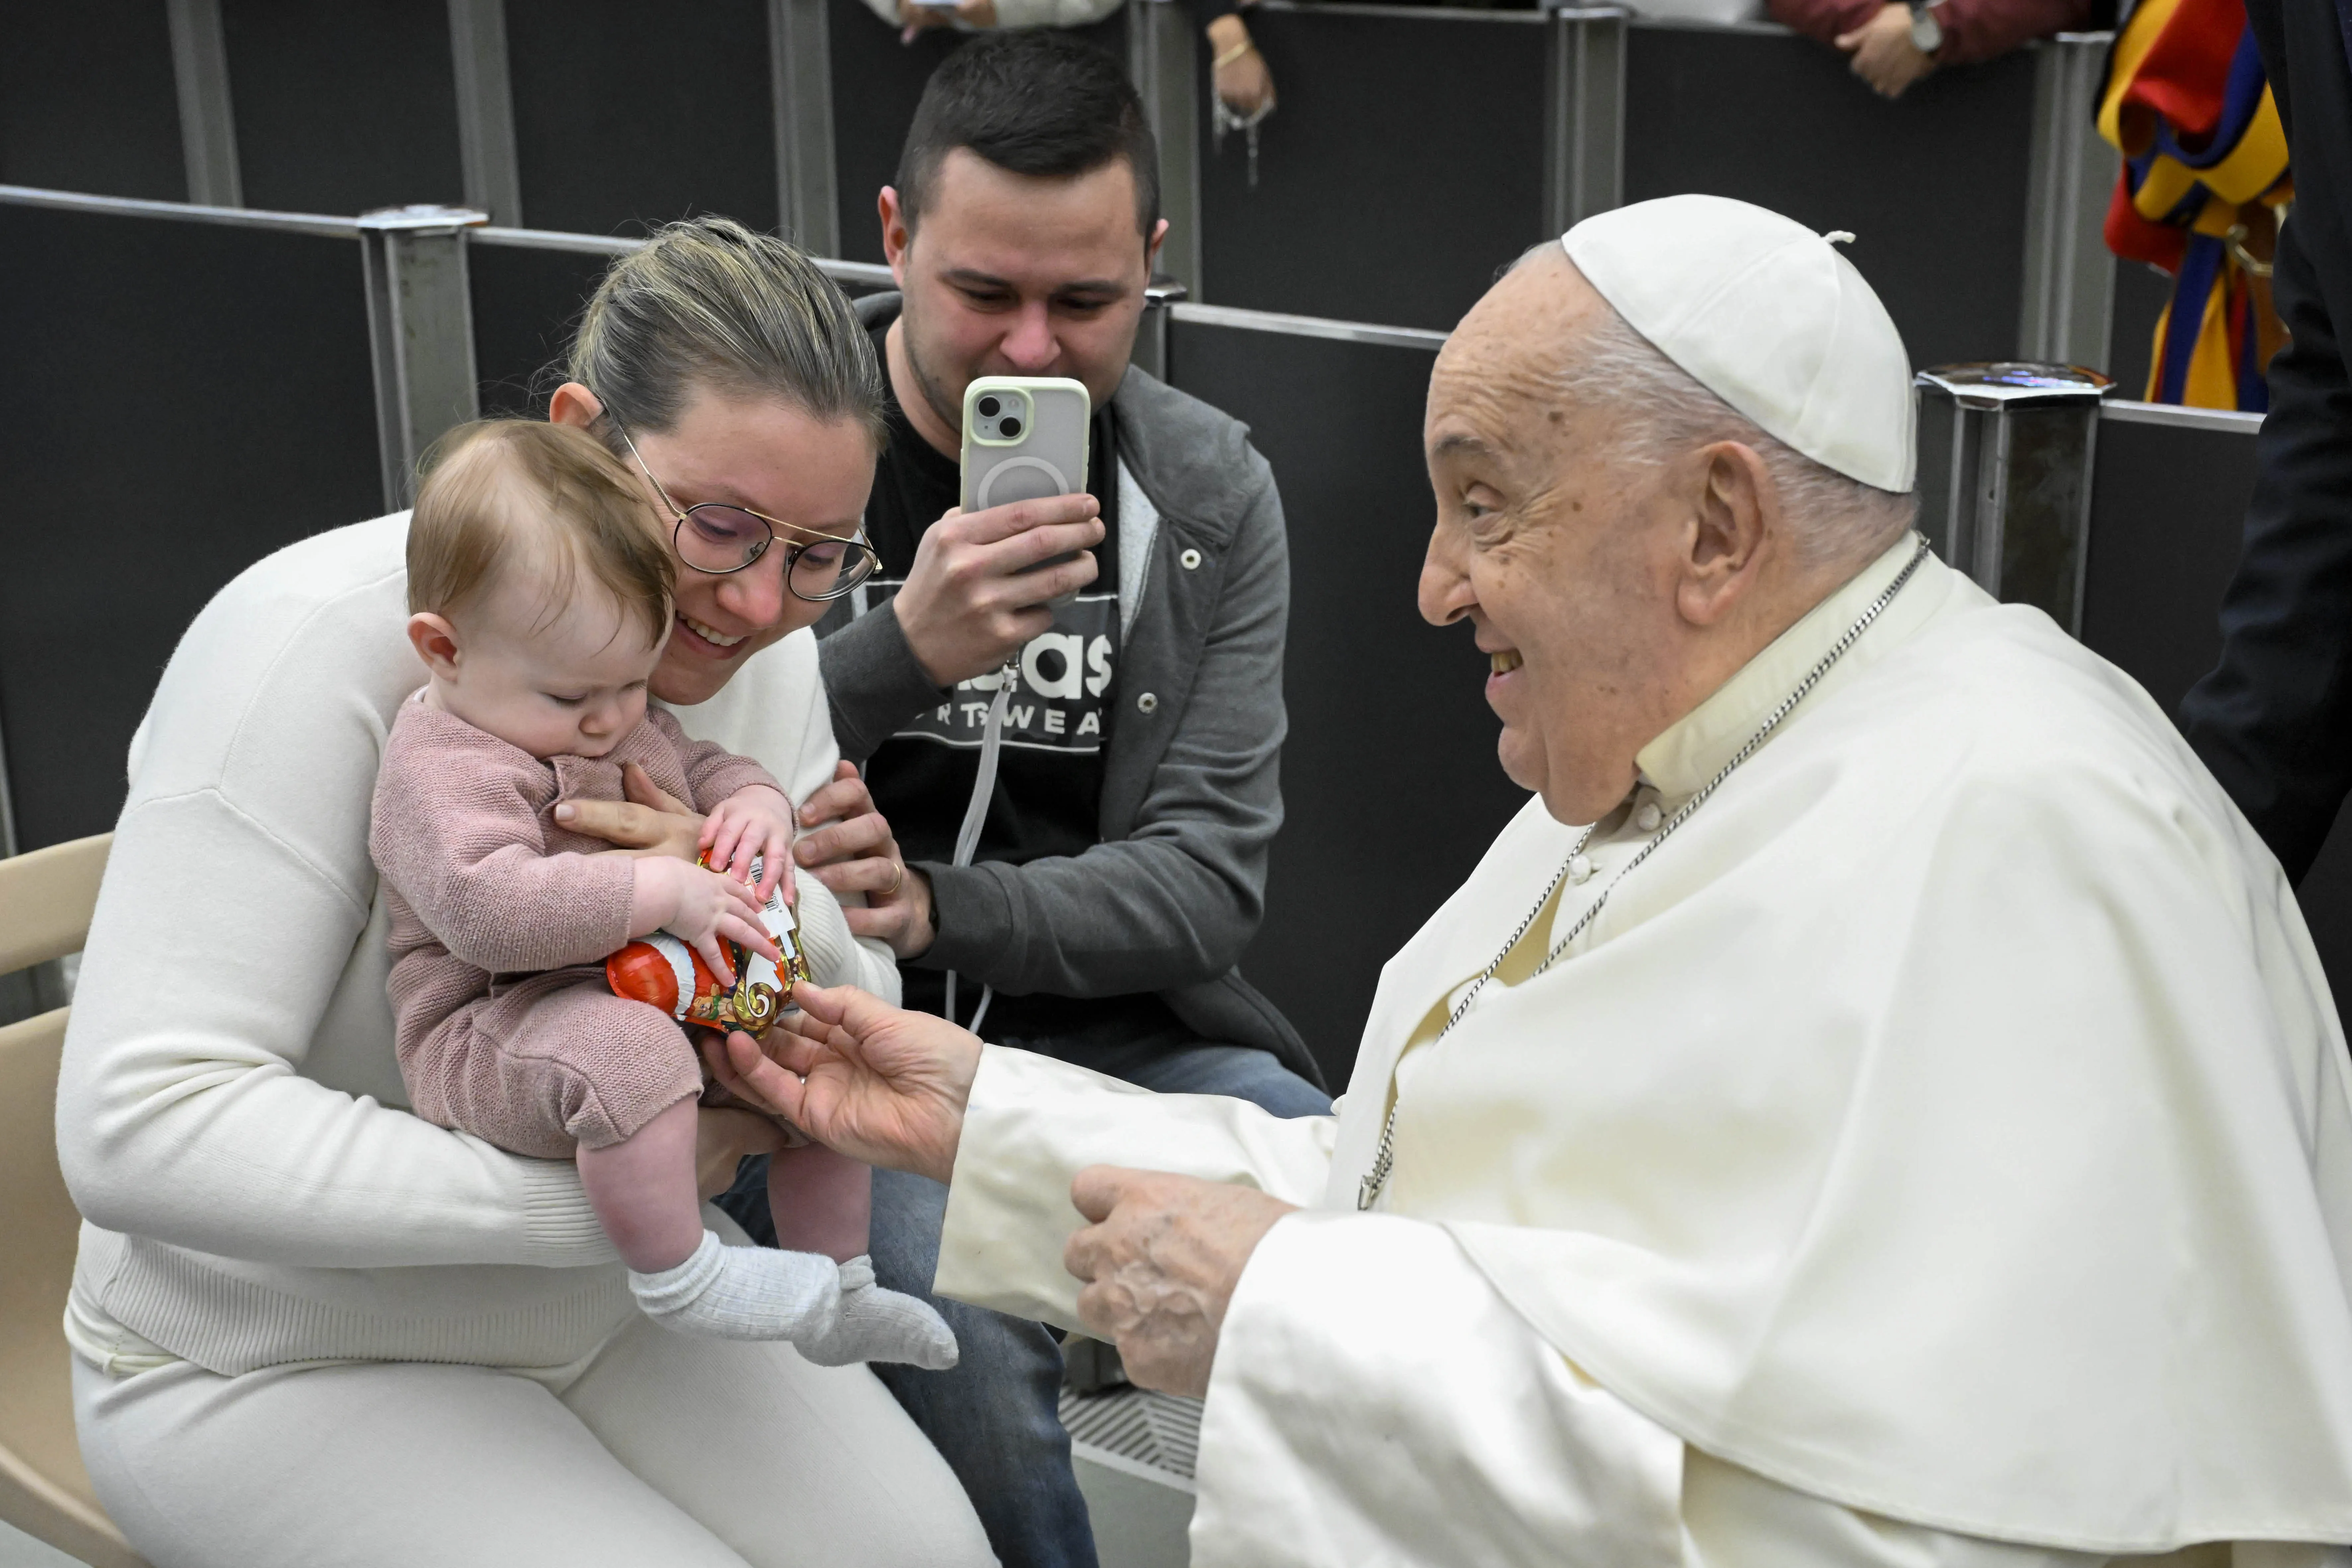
698	907
754	820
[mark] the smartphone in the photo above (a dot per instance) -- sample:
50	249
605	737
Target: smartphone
1024	437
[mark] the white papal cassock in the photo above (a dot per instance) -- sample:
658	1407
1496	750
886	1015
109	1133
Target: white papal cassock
1940	1152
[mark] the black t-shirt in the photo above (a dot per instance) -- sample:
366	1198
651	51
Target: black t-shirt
1049	774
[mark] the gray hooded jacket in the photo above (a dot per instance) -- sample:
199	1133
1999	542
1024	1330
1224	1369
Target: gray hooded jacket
1192	794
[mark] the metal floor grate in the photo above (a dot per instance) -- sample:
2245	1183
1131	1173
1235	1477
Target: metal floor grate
1156	1435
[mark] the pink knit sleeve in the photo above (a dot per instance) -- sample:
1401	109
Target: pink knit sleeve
456	829
712	772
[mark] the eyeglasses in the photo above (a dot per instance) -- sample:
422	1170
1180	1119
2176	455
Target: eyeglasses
717	539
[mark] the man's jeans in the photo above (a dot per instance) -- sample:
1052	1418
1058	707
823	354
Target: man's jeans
995	1416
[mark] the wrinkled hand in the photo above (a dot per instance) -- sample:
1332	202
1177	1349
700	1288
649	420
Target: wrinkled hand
915	20
1883	54
976	593
878	1084
1161	1259
724	1139
649	821
848	845
754	823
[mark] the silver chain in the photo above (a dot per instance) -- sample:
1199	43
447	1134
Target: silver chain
1368	1190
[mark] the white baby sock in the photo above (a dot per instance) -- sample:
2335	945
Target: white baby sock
833	1312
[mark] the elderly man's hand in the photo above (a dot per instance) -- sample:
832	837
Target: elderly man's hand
1883	54
872	1082
1161	1259
649	821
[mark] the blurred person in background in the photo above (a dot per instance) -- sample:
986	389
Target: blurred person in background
1244	84
1894	44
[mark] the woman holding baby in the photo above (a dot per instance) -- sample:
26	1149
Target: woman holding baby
310	1326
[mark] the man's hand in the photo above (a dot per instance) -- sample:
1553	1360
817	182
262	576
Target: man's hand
976	593
1883	54
875	1083
724	1139
1161	1259
1244	82
847	844
650	822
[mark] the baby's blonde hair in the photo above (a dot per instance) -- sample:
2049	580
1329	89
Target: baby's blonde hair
464	532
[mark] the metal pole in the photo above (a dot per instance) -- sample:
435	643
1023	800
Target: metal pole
486	130
208	126
800	68
420	333
1164	59
2068	311
1584	113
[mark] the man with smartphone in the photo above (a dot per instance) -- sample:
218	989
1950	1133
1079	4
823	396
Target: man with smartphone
1135	634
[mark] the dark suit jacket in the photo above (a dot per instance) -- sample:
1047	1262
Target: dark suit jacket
2273	720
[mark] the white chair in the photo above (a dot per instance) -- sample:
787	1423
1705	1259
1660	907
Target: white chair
45	898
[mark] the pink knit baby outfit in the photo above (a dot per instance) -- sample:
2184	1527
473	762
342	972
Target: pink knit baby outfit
501	924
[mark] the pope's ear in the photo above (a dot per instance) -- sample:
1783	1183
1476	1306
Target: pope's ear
1738	509
436	642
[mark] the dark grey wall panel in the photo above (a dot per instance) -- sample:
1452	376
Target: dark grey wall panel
2167	511
182	399
629	113
1933	184
876	82
1404	166
344	108
87	101
1389	776
526	304
2141	293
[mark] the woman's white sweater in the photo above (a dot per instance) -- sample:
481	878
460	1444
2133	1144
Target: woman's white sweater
230	1117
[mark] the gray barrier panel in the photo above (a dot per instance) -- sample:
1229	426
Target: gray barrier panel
1933	185
2167	511
1404	166
342	107
876	82
182	398
526	304
631	112
2141	293
87	100
1389	777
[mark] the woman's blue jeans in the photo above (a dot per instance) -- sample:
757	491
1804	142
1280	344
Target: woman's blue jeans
995	1415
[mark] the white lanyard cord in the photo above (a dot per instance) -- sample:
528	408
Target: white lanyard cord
975	814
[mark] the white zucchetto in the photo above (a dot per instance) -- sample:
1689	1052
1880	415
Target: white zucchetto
1770	316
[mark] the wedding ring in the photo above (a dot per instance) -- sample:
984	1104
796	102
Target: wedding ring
896	882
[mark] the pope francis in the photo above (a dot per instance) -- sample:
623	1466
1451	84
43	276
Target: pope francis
1877	1104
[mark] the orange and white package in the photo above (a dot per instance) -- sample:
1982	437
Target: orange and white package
666	973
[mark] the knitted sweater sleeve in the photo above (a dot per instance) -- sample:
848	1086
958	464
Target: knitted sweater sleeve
231	1002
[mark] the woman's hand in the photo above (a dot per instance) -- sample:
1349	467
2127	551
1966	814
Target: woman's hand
650	822
878	1084
847	844
1883	54
724	1139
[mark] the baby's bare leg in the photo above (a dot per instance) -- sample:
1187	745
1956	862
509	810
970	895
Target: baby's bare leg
821	1201
642	1189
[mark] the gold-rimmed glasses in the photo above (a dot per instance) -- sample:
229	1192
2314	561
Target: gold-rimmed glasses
717	539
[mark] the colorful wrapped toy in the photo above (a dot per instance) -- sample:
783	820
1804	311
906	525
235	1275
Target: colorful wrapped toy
665	973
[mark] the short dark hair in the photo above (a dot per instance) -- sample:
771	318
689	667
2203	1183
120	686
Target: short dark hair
1034	103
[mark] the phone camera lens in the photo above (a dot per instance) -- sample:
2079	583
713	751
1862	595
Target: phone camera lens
988	407
1011	426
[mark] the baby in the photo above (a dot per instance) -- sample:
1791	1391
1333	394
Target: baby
538	588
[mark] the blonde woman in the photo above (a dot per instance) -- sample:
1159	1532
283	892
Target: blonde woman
311	1327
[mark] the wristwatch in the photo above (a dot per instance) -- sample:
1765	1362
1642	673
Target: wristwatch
1927	33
